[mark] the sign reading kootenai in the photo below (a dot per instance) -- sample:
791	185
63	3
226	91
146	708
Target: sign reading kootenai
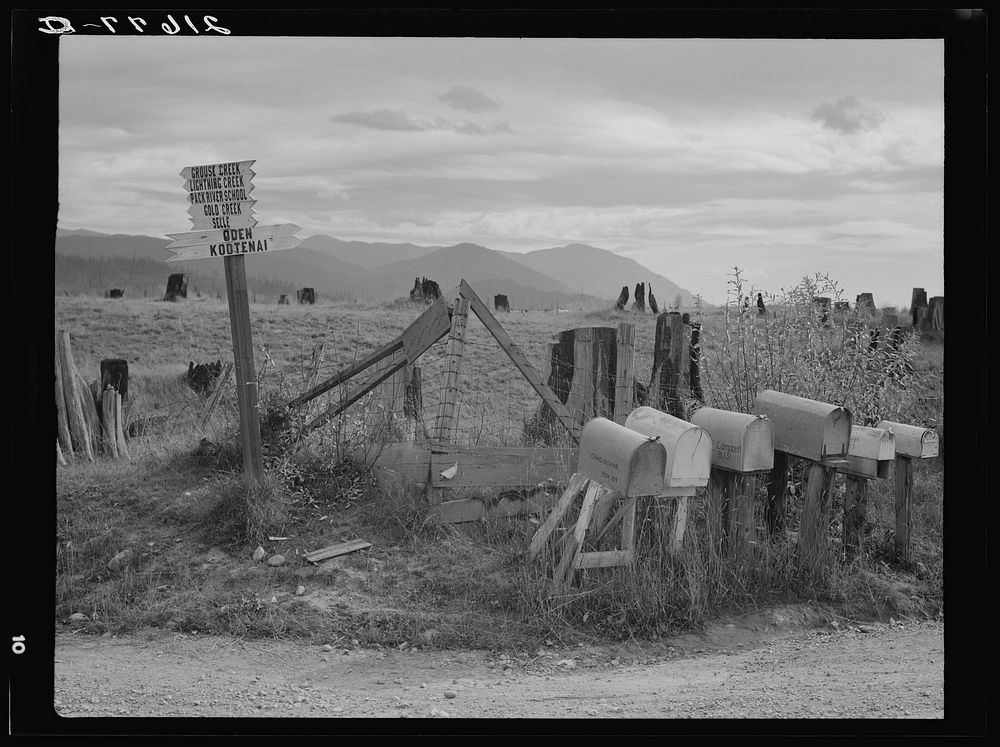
221	210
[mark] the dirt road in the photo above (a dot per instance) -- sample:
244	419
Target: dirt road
867	671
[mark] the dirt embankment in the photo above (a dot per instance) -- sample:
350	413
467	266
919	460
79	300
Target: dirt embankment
768	668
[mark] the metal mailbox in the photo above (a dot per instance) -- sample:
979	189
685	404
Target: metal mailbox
870	453
740	442
689	449
912	440
621	459
806	428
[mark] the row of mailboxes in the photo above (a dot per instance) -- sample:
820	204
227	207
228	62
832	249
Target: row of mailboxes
655	453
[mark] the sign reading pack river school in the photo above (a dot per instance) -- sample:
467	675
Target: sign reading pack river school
222	212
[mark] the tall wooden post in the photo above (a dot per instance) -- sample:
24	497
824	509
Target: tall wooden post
816	511
777	488
444	422
855	505
904	491
246	377
624	371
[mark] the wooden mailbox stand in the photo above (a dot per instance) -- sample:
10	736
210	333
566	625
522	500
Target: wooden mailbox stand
912	442
742	448
819	433
871	452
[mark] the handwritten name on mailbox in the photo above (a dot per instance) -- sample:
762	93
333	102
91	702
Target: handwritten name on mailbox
740	442
621	459
689	448
806	428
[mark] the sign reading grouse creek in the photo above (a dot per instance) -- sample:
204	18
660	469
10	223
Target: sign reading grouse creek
222	210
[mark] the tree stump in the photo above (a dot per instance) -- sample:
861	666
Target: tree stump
582	370
114	373
115	293
934	316
640	297
177	287
864	304
822	304
500	303
670	381
283	299
622	299
306	296
918	304
651	301
760	305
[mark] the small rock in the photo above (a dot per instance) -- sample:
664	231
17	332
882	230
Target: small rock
78	617
327	647
274	600
450	694
435	713
567	663
615	662
300	590
429	634
423	685
403	646
276	560
258	554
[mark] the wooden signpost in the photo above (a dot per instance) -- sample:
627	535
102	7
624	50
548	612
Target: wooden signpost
222	213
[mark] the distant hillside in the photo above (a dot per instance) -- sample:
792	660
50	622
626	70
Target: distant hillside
598	272
93	262
470	261
368	255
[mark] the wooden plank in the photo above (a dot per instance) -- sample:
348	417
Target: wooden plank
120	442
519	359
335	409
535	504
444	422
62	418
213	401
59	455
904	497
628	524
601	510
341	548
594	491
89	406
855	505
815	512
233	248
603	559
576	484
412	461
108	423
353	370
246	375
678	525
742	522
74	407
426	330
499	467
624	372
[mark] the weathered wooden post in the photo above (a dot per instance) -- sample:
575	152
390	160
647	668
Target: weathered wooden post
817	432
306	296
651	300
177	287
912	442
933	319
78	426
114	373
918	305
622	299
868	458
225	227
283	300
444	423
742	448
624	371
864	303
671	363
640	297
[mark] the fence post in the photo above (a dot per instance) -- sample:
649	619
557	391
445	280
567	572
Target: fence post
904	491
624	371
815	512
855	506
444	422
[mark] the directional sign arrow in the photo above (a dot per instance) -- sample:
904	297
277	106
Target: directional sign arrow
217	169
225	194
221	182
222	209
234	248
223	221
196	238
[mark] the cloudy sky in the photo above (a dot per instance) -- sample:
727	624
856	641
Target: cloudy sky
784	157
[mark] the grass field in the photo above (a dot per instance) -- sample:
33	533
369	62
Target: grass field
183	524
